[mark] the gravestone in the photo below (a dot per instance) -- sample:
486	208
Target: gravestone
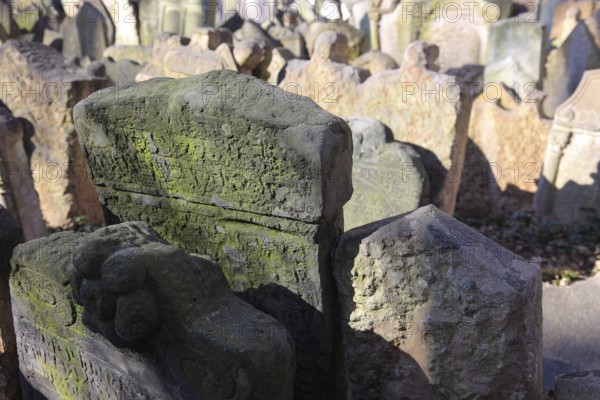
375	61
388	177
567	14
184	16
15	166
515	55
568	189
326	78
10	236
566	64
89	33
507	140
419	105
120	72
208	49
578	386
279	61
42	88
122	314
261	192
431	309
570	338
357	39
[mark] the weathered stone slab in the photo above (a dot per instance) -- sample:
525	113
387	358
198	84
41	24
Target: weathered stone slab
515	55
121	314
184	16
89	33
375	61
388	178
571	332
568	189
10	236
42	88
578	386
431	309
566	64
357	40
122	71
15	167
260	192
505	153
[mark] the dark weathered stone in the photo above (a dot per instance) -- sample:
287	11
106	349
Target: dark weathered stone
182	335
431	309
226	165
10	236
578	386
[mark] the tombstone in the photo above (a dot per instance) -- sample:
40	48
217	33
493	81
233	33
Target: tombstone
15	165
125	19
10	236
148	16
507	138
515	56
138	54
419	105
120	313
431	309
568	13
252	31
184	16
120	72
357	40
566	64
388	178
578	386
42	88
259	192
571	338
568	189
375	61
326	78
279	61
89	33
8	26
174	57
289	38
399	25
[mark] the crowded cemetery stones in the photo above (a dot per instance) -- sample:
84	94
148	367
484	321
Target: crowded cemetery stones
198	204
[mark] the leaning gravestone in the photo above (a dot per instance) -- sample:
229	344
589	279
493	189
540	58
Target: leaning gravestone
10	236
226	165
566	64
569	187
388	178
42	88
431	309
517	66
122	314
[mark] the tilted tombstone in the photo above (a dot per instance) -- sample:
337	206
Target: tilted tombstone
15	166
515	55
431	309
10	236
568	189
388	178
507	140
42	88
566	64
357	39
121	314
226	165
184	16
